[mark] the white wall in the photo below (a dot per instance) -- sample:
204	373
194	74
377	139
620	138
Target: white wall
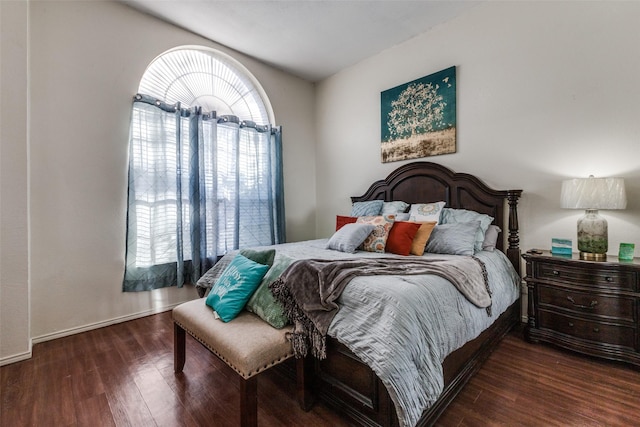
14	231
546	91
86	60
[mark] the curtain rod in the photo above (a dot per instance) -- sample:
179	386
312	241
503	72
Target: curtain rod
211	115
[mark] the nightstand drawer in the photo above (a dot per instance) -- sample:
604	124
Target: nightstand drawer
606	307
586	306
588	330
602	277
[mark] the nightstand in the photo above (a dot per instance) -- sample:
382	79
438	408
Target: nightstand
591	307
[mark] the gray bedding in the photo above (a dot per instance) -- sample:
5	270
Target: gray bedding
403	327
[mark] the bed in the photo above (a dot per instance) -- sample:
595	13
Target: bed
368	393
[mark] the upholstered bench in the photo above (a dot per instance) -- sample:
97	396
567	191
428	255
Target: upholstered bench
247	344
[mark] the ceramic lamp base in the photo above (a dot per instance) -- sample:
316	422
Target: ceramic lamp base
593	238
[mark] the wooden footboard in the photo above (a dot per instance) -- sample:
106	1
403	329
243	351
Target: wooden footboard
352	388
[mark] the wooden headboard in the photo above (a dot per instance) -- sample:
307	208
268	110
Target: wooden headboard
424	182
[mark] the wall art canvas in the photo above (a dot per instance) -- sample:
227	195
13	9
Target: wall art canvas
418	119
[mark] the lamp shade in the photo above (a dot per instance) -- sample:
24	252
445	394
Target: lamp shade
593	193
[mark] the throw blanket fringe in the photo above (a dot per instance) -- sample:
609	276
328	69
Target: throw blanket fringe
304	329
308	290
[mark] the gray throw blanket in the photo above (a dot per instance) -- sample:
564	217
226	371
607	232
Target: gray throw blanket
308	290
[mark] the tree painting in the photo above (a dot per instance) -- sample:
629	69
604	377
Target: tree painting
419	118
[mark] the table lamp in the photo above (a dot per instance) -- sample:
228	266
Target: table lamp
592	194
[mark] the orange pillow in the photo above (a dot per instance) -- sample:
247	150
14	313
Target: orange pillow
341	221
421	237
401	237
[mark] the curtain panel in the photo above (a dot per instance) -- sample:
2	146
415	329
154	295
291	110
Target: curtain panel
199	186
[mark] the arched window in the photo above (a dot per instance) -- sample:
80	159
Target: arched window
205	168
202	77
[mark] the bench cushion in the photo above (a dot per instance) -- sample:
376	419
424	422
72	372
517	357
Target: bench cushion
247	344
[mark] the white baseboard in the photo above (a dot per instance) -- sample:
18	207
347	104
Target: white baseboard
72	331
7	360
102	324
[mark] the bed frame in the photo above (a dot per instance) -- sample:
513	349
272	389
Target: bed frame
351	387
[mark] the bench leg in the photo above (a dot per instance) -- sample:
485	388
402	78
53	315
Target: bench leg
304	380
249	401
179	348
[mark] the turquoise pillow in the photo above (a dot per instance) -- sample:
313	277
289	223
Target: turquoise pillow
234	287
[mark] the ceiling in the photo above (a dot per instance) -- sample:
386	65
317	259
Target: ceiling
312	39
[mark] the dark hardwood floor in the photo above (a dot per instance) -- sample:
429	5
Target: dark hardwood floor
122	375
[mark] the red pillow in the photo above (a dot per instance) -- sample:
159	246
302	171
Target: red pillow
341	221
401	236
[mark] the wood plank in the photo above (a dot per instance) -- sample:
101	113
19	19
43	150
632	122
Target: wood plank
94	411
123	375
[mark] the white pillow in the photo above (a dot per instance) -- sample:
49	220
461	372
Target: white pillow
421	212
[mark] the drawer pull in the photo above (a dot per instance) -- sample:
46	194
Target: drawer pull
586	307
571	324
596	329
556	272
609	279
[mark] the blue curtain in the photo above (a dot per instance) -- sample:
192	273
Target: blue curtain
199	186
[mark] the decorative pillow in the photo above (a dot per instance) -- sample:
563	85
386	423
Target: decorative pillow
401	237
262	301
421	237
372	207
453	239
264	256
349	237
390	208
209	278
377	240
341	221
233	289
491	238
454	216
421	212
402	216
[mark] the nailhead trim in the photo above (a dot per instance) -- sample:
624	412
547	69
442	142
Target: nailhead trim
244	375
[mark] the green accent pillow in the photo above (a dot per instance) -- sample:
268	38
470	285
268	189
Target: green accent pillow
264	257
235	286
262	301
